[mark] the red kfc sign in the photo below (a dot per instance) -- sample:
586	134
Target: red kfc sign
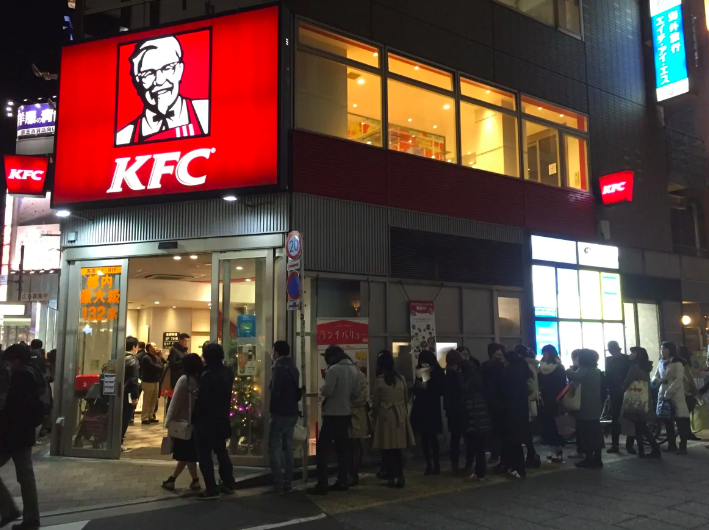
187	109
25	175
617	187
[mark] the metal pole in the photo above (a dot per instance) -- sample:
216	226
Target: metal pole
306	445
22	267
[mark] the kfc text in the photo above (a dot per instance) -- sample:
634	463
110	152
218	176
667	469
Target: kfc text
612	188
617	187
24	174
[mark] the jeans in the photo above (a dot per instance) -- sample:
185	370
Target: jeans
335	430
25	476
128	411
455	450
208	442
280	449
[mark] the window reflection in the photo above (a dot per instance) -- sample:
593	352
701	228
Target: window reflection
541	153
489	139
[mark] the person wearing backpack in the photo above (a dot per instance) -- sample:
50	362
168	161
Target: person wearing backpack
285	395
22	413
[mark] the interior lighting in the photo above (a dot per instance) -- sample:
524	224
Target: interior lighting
446	106
375	54
229	198
63	213
561	115
411	119
539	108
435	126
239	268
193	256
354	105
177	258
416	67
686	320
360	81
156	302
248	279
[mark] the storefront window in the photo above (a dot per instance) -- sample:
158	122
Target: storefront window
421	122
541	153
489	139
486	93
420	72
553	113
568	292
338	100
509	317
576	163
335	44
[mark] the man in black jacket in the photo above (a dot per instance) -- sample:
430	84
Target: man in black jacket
175	357
212	427
139	356
131	386
284	415
19	418
151	368
617	367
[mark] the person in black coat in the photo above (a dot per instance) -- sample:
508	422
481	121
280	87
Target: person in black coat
552	381
455	410
514	395
426	419
478	423
174	358
492	376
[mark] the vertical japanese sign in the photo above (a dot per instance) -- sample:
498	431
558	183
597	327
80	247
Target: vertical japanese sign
35	120
423	327
671	77
100	293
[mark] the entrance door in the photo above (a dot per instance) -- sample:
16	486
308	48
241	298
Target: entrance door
94	347
242	322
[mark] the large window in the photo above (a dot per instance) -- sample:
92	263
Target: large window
565	14
341	85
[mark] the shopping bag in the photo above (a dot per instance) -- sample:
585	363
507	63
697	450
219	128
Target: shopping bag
300	433
166	446
636	399
664	409
570	398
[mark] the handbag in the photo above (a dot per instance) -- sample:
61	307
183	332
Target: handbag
300	433
664	409
181	429
636	399
166	446
570	397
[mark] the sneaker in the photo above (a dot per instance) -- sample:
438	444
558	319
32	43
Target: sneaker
125	449
14	516
226	490
514	475
194	485
206	496
169	484
27	525
613	449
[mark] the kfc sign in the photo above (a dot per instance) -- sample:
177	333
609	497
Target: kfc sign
25	175
617	187
188	109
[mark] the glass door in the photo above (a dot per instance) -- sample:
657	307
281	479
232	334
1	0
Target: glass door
94	350
242	322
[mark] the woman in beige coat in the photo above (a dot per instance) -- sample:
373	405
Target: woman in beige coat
392	429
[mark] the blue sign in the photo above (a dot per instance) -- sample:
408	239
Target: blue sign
35	120
293	285
671	78
546	332
246	325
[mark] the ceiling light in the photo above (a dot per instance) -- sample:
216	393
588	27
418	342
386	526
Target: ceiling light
369	143
248	279
193	256
9	109
416	67
433	156
470	164
411	119
450	160
156	302
360	81
686	320
11	103
487	91
9	114
539	108
470	152
561	115
63	213
174	307
354	105
31	272
435	126
375	54
177	258
229	198
446	106
413	136
100	273
240	268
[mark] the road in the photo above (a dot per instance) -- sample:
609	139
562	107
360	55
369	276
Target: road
629	493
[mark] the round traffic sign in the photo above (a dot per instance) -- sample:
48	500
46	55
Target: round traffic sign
294	245
293	285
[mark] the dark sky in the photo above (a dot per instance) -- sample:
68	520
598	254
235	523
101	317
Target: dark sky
30	32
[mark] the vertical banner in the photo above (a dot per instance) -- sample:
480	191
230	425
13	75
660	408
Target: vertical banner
423	328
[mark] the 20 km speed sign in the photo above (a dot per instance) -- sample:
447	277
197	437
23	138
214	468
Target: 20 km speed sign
294	245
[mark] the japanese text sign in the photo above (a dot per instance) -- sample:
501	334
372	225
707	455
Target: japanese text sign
344	333
617	187
184	109
671	78
26	175
35	120
100	293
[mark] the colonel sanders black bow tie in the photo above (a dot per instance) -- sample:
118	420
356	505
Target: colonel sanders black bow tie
164	117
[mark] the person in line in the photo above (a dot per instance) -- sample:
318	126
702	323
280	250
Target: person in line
340	388
552	381
515	410
533	460
588	419
285	395
360	426
22	412
174	361
690	386
492	376
617	366
456	412
39	363
131	387
640	369
670	377
152	368
390	415
426	419
210	419
577	454
142	352
477	416
184	452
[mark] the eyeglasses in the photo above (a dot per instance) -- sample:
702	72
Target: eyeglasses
147	77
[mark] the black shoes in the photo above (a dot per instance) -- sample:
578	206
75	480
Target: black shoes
12	517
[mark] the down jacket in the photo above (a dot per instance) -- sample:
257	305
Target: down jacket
477	413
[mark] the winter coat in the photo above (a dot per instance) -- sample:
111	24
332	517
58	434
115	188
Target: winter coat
151	368
174	363
552	381
285	380
426	410
341	386
183	399
514	395
453	401
477	414
131	383
23	412
392	429
492	376
213	404
533	385
591	396
670	375
359	428
616	371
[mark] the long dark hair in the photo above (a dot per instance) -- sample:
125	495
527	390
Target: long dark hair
429	358
641	358
193	365
385	367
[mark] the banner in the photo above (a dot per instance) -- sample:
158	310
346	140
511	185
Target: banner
423	327
351	334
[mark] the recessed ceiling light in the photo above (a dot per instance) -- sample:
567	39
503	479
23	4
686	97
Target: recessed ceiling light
375	54
177	258
11	103
411	119
174	307
416	67
433	156
539	108
470	152
229	198
413	136
487	92
193	256
561	115
471	163
369	143
248	279
240	268
354	105
156	302
435	126
446	106
360	81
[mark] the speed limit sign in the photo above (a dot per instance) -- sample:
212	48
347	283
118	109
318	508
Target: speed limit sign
294	245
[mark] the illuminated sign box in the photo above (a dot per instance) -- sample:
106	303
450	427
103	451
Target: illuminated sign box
617	187
36	120
671	78
26	175
189	109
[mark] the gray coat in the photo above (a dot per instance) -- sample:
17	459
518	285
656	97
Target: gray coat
340	388
590	381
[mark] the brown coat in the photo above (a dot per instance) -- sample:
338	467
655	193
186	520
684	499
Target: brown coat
392	429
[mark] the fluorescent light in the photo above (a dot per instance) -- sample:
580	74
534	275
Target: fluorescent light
12	310
229	198
177	258
193	256
63	213
240	268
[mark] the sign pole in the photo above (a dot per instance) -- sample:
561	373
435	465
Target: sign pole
303	372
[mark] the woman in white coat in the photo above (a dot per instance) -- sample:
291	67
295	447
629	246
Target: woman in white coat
670	376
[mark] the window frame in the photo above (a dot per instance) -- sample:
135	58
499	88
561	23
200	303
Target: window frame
580	36
456	93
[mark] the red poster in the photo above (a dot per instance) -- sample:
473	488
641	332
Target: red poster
343	333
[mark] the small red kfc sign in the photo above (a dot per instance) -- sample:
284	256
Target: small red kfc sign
187	109
617	187
26	175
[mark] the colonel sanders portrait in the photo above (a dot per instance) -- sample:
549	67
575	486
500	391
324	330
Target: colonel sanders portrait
156	68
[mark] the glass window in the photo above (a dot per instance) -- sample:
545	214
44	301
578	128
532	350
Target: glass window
568	290
593	339
421	122
420	72
541	153
630	336
338	45
540	9
570	339
546	332
544	291
649	330
576	163
610	292
570	15
338	100
509	317
590	283
488	94
553	113
552	249
489	139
